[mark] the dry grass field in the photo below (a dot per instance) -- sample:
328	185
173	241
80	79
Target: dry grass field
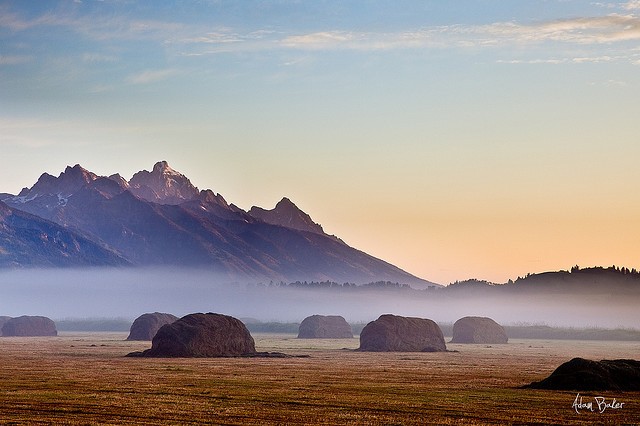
84	378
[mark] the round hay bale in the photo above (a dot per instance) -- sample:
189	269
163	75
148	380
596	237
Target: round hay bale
147	325
478	330
581	374
29	326
202	335
392	333
324	327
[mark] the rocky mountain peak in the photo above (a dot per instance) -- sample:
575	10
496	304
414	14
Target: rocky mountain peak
77	173
208	196
163	185
286	205
122	182
68	182
287	214
163	167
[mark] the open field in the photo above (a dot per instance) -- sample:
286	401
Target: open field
84	378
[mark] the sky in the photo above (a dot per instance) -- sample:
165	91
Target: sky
470	139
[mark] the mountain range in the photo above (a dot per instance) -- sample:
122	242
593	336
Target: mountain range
159	218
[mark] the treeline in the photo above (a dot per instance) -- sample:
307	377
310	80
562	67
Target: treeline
332	285
576	273
570	333
619	269
93	324
546	332
585	279
272	327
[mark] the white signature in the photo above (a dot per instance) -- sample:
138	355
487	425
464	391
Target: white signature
599	404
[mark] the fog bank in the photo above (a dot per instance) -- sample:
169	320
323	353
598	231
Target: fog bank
128	293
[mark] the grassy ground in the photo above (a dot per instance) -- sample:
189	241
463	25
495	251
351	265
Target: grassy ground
84	378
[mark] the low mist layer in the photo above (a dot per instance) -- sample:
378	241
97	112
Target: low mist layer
127	293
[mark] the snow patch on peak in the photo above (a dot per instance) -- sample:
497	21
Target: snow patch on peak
21	199
62	201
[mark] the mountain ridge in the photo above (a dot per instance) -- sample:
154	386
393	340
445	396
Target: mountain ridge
161	218
286	214
28	240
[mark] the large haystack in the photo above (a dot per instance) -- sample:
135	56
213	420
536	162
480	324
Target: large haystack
26	326
581	374
392	333
478	330
202	335
325	327
147	325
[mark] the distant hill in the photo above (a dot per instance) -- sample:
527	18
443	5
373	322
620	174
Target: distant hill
587	280
160	218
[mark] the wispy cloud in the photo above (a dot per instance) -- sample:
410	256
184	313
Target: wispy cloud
98	58
97	27
595	59
151	76
221	36
15	59
598	30
533	61
324	40
615	83
193	40
12	21
606	29
632	5
353	40
575	60
200	42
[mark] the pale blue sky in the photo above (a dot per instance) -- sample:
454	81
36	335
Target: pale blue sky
458	139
